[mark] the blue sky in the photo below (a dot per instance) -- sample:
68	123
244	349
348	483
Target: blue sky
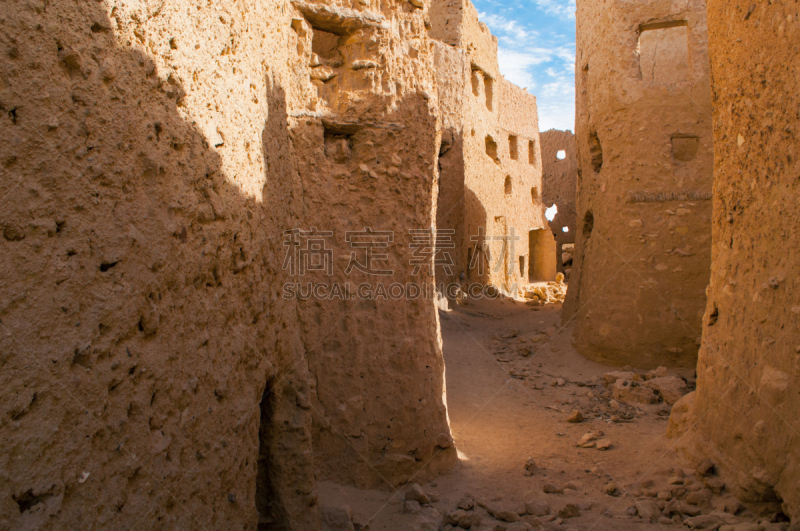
536	40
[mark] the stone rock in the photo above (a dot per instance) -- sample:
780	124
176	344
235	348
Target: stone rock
648	510
551	488
411	507
715	484
416	494
610	377
669	388
699	497
569	511
632	392
463	519
706	467
337	518
610	488
503	513
680	508
466	502
747	526
603	444
711	521
537	507
530	467
575	417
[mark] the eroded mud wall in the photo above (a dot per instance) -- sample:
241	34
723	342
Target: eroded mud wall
559	183
491	173
643	130
365	141
144	179
748	375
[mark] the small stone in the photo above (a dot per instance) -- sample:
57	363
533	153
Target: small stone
715	484
503	513
663	520
232	497
411	507
705	468
603	445
569	511
631	511
610	488
614	404
466	502
586	440
530	467
648	510
537	507
560	382
699	497
575	417
418	495
733	506
550	488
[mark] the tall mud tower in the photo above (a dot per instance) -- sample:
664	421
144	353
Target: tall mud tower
745	408
643	129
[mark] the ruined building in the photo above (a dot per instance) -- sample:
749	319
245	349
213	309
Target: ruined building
490	192
192	194
153	368
559	182
744	412
643	130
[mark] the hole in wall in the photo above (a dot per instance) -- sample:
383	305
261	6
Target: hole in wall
477	77
596	151
551	212
326	45
565	229
684	147
588	223
531	152
534	195
663	51
561	154
338	145
508	186
522	266
491	149
488	88
512	147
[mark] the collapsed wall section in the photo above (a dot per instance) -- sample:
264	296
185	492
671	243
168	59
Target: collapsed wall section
643	131
559	183
140	317
744	415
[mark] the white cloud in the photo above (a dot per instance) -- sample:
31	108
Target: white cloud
561	8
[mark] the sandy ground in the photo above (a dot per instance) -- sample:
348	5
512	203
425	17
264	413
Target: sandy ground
512	380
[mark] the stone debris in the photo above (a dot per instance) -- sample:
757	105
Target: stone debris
415	493
537	507
530	467
569	511
575	417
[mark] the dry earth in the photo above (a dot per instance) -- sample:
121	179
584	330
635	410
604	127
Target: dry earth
513	379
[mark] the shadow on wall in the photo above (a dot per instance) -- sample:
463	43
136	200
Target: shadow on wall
137	322
479	252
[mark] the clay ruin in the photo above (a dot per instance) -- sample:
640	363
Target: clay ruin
490	191
226	227
559	182
643	129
